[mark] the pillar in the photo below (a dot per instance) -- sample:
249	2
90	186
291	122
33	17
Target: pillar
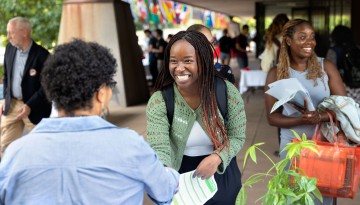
109	23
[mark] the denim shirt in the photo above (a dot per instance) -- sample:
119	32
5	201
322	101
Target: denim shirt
83	160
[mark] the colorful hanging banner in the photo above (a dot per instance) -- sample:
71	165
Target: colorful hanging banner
170	12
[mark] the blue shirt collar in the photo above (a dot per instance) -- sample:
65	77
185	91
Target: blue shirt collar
72	124
26	51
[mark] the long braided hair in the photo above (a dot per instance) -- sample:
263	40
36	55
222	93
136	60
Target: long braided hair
275	28
205	62
312	65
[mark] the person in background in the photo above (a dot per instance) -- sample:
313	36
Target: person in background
241	43
25	103
341	53
159	48
204	30
319	76
224	70
152	57
215	40
341	38
78	157
140	52
273	40
225	44
169	38
197	138
270	56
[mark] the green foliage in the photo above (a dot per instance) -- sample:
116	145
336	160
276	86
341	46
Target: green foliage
44	16
286	186
1	72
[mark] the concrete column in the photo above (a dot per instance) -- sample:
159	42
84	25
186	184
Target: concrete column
109	23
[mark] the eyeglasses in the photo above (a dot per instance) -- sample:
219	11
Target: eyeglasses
111	84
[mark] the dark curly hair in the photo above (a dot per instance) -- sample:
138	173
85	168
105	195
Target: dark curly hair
341	35
75	72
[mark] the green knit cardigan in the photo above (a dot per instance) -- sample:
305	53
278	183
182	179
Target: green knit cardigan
169	142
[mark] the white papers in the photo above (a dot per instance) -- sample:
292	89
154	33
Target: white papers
289	90
194	191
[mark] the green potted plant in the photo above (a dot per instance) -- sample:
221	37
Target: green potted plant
286	185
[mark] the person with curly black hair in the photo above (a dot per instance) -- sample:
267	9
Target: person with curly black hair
78	157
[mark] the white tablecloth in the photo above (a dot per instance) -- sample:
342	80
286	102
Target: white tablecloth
251	78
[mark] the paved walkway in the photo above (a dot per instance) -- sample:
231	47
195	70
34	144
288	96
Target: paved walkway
257	130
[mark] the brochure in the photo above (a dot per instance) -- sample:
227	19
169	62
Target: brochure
289	90
194	191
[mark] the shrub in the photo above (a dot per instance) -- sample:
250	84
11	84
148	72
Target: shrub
286	186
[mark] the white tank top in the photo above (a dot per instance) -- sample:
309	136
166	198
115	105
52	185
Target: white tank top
198	143
317	94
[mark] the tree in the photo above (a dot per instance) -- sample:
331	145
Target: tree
44	16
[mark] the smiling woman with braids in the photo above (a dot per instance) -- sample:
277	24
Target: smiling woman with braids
197	137
320	77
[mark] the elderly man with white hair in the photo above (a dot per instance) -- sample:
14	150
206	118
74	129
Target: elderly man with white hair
25	103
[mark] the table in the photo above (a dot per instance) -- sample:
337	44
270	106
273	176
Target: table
251	78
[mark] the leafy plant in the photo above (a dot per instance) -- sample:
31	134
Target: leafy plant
287	185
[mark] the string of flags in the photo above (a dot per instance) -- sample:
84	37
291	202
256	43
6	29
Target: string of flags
171	12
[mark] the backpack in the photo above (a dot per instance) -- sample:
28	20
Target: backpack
225	72
352	65
220	93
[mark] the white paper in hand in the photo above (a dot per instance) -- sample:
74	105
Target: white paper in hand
289	90
194	191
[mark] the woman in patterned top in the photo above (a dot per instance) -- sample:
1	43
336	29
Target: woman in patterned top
197	138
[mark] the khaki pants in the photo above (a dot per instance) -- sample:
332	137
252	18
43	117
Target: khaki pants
12	128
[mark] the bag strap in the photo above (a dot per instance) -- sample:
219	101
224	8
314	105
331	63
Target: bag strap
332	127
168	95
220	93
340	135
221	97
317	133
